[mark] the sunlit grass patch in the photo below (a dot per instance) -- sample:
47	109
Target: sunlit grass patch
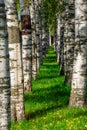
46	108
56	119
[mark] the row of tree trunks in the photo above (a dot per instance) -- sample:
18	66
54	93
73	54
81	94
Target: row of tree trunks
18	63
73	49
20	58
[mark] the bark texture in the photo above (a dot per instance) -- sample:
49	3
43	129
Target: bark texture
17	94
4	72
26	46
70	40
78	90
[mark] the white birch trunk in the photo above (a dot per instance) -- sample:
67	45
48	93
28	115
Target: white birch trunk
17	99
78	90
61	46
70	40
40	29
26	46
4	72
56	37
34	46
36	2
44	35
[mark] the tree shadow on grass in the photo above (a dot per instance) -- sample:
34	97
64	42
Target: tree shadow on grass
47	77
41	112
48	71
50	97
53	98
45	110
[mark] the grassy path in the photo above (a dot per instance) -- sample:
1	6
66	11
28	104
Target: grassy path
46	108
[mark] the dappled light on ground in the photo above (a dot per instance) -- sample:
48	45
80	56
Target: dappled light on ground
46	108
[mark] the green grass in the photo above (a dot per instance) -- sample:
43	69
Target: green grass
46	108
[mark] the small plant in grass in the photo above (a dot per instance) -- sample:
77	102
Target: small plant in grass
46	108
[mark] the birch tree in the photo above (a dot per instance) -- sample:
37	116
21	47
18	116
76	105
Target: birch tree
4	72
17	94
78	88
37	21
70	40
34	46
26	45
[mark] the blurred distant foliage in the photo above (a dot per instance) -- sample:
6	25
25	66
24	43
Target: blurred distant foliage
26	3
18	5
50	8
